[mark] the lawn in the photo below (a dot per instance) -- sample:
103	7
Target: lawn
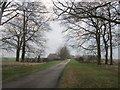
13	71
81	75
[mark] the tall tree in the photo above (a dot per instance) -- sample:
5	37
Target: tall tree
105	36
31	18
110	35
12	36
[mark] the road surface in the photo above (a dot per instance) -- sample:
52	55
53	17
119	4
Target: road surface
47	78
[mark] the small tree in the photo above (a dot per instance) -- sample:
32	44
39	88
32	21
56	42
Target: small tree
64	53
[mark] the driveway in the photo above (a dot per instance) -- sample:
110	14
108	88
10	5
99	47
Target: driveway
47	78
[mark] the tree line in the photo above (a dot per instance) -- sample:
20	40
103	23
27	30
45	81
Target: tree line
91	26
24	26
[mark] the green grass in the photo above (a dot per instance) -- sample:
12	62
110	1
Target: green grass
7	59
81	75
14	73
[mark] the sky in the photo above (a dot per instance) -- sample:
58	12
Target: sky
55	37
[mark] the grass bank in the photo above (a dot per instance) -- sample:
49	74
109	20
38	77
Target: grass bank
80	75
15	72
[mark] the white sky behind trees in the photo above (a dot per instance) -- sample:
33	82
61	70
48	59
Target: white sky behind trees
55	37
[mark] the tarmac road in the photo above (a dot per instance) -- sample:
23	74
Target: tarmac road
47	78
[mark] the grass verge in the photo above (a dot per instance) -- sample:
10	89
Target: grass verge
14	73
80	75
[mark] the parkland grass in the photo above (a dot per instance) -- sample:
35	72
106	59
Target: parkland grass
19	70
81	75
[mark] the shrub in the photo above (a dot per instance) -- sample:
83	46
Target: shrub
79	59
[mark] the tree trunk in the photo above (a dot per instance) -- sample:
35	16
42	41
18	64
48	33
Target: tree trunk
111	58
99	54
106	48
110	34
18	49
23	52
24	43
98	49
106	55
17	54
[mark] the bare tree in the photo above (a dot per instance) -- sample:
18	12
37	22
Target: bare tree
31	20
26	29
64	53
12	36
90	14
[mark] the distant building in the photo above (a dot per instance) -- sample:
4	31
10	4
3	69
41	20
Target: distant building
52	57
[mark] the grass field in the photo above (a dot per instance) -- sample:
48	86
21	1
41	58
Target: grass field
81	75
7	59
14	70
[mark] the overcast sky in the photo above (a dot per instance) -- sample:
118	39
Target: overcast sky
56	38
